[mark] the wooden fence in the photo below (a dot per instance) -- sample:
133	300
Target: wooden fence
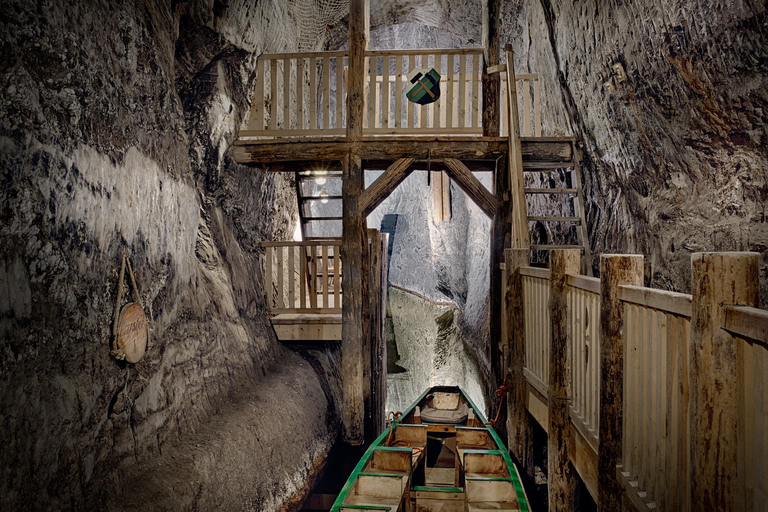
583	299
537	326
657	327
305	94
691	411
284	105
305	277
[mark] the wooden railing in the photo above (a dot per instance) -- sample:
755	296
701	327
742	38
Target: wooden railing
305	94
456	112
693	412
749	328
538	333
583	298
299	94
303	277
657	327
529	109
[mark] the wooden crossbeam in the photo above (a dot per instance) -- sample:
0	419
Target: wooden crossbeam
471	186
384	185
278	153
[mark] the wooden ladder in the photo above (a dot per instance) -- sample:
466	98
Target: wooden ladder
575	216
307	215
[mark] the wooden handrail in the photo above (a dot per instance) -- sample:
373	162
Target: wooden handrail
663	300
301	55
425	51
748	322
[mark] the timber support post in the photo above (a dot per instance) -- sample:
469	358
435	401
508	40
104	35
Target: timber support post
727	278
355	326
615	270
561	477
519	428
491	48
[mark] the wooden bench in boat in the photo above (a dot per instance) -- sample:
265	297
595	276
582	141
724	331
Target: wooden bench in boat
487	482
414	437
472	438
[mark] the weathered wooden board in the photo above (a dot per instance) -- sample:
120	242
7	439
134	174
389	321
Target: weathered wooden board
132	332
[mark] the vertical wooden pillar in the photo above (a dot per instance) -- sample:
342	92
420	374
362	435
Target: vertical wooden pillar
615	270
491	52
561	477
499	231
718	279
355	324
375	384
359	25
519	429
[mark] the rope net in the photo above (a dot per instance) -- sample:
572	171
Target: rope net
313	17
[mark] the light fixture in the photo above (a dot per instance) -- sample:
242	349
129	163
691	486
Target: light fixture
324	196
320	181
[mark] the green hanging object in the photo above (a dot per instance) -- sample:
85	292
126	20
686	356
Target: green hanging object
426	88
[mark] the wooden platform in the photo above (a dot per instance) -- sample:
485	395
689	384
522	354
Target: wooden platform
307	326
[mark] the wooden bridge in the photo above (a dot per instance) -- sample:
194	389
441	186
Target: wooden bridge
655	400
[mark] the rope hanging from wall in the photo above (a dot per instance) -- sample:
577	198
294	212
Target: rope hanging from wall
130	333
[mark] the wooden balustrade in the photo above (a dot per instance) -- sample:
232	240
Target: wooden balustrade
668	452
749	328
305	94
457	112
538	331
299	94
529	108
583	297
303	277
656	335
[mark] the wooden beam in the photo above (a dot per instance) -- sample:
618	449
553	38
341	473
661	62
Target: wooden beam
359	26
499	68
500	225
615	270
423	148
519	428
354	327
491	82
380	189
561	477
520	234
471	186
716	372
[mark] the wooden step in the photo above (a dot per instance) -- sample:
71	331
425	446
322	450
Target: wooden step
536	218
319	198
551	191
545	166
310	219
549	247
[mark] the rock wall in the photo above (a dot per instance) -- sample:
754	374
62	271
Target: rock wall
115	125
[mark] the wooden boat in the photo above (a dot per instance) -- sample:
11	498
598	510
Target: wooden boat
441	456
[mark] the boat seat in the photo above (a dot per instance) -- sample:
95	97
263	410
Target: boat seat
472	438
390	459
378	490
489	493
484	464
448	416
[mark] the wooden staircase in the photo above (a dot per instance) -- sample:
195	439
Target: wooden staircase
319	195
574	210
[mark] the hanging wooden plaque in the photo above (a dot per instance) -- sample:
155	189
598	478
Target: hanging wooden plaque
132	332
